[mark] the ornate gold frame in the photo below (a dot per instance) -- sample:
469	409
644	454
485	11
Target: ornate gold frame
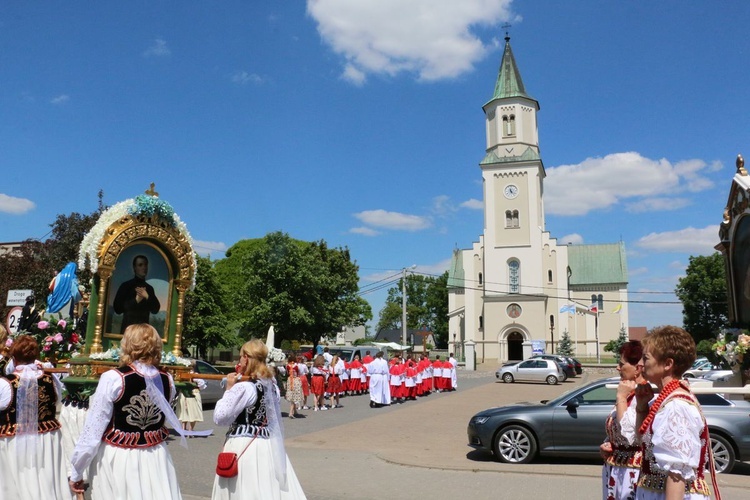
127	231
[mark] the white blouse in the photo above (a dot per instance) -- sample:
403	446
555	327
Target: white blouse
100	414
234	401
675	440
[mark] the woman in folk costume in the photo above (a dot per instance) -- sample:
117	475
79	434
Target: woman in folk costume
303	378
676	442
251	408
123	442
333	384
622	456
31	454
319	373
189	407
355	375
4	350
437	374
293	386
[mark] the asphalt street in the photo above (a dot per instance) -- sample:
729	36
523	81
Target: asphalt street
416	450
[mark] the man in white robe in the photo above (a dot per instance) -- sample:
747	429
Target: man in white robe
377	370
454	376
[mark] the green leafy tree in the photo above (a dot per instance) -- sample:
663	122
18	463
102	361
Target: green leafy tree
565	346
426	306
703	293
614	346
305	289
206	324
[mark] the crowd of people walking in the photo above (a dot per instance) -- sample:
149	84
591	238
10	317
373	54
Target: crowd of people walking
401	379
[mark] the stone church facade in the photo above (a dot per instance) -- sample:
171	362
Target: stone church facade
517	287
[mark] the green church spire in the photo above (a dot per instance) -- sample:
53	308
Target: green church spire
509	83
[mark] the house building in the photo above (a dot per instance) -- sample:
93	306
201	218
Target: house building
517	284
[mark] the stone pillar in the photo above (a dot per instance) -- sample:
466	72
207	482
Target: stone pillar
471	355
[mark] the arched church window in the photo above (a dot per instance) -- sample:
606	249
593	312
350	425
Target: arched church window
600	300
514	276
508	218
512	125
506	126
481	322
480	278
514	221
549	276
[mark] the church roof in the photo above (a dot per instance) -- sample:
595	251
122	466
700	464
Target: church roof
597	264
456	273
509	82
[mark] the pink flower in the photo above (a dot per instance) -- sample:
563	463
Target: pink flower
62	324
58	338
46	347
8	342
48	340
42	325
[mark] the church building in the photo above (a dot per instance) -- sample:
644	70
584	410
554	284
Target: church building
516	289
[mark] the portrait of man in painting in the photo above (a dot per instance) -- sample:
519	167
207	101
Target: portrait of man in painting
138	290
741	270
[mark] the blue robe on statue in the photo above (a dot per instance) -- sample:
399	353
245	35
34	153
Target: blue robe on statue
64	289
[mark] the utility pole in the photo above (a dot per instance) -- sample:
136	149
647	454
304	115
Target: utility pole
403	307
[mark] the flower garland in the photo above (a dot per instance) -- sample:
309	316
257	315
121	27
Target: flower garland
666	391
730	349
275	355
88	253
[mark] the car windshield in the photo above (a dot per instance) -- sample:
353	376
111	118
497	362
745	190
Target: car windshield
202	367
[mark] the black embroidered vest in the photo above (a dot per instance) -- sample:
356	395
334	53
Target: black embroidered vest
252	420
136	420
46	407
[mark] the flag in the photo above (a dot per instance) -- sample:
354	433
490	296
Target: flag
617	309
568	308
593	308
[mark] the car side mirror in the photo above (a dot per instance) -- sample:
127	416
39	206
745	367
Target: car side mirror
573	403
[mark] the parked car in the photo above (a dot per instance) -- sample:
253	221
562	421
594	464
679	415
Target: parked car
577	366
214	388
700	369
532	370
573	425
347	353
566	363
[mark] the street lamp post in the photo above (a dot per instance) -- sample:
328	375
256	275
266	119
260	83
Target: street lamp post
403	304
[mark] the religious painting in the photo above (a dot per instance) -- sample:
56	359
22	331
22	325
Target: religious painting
139	290
741	270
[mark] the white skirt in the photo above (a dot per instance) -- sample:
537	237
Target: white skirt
72	420
190	409
133	474
44	477
256	479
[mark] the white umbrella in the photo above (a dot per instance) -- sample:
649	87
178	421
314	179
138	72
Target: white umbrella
271	338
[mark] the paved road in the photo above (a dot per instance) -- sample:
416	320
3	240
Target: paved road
415	450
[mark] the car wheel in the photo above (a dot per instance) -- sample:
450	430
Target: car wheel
507	378
724	457
551	380
688	375
515	445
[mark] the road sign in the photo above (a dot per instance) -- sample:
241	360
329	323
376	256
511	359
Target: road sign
17	297
14	316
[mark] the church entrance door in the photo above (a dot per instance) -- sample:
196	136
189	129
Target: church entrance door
515	346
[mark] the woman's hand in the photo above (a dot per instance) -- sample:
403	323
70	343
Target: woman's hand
77	486
643	394
232	379
624	389
605	449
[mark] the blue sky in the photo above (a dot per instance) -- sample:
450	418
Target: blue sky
359	121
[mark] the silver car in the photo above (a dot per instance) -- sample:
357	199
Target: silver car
214	388
532	370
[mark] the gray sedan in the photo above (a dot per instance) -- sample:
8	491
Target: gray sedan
573	425
214	388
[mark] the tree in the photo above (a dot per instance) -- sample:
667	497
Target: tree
36	263
614	346
703	293
564	346
206	324
426	306
305	289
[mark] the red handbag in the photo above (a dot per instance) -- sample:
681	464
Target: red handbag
226	465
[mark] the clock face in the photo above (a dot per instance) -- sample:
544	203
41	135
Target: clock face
511	191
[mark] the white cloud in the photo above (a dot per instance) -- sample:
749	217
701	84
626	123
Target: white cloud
243	78
656	205
431	38
15	206
61	99
473	204
573	238
157	49
688	240
209	247
393	220
365	231
600	183
442	205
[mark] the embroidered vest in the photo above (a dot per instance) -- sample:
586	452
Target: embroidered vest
252	420
46	407
656	480
136	420
623	453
